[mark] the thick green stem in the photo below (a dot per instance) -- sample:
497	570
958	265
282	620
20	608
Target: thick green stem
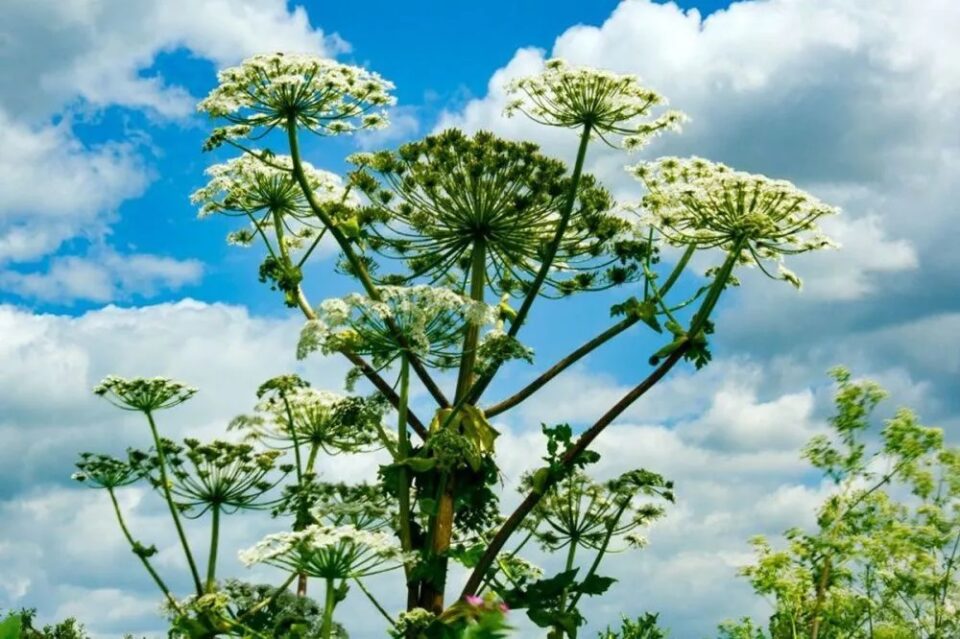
328	604
442	526
136	550
214	543
558	631
478	282
165	485
312	458
301	517
481	384
403	451
716	289
559	367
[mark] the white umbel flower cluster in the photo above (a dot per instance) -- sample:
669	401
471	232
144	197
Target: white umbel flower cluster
329	552
574	97
322	95
709	205
330	421
143	394
426	321
251	183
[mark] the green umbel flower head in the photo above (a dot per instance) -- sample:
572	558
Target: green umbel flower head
103	471
319	94
575	97
143	394
329	552
220	475
329	421
584	512
433	201
709	205
426	321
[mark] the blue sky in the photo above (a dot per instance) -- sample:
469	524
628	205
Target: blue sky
104	267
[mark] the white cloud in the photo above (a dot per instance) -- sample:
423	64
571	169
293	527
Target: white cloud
61	551
53	187
103	276
61	59
103	52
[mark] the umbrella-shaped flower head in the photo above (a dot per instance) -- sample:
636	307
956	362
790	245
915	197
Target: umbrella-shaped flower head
576	97
424	321
319	94
143	394
709	205
220	475
434	202
329	552
256	183
328	421
581	511
104	471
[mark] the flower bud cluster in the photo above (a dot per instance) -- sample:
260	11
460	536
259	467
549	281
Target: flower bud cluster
104	471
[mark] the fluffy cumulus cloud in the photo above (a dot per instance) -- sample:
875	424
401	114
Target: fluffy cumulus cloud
64	59
103	276
53	186
104	52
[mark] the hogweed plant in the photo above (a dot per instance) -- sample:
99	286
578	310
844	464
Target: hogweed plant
451	241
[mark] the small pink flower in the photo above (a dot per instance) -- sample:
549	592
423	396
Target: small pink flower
474	600
503	608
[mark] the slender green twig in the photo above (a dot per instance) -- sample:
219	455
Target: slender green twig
165	486
373	600
137	550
